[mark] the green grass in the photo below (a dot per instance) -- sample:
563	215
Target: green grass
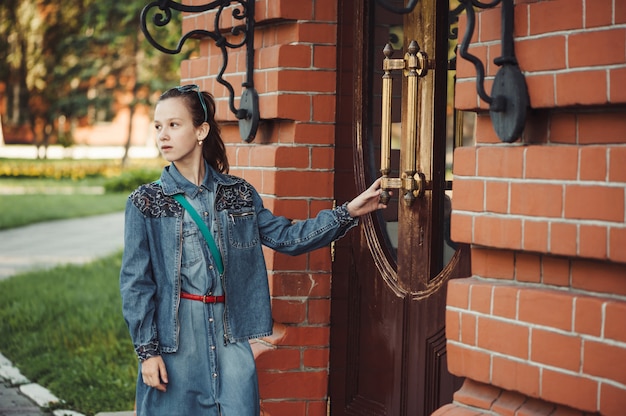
18	210
30	192
63	328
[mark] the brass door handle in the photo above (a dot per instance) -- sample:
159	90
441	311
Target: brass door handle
413	187
412	182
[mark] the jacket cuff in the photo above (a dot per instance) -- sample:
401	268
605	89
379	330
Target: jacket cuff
148	351
344	216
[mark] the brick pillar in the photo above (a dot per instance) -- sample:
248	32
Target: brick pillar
291	164
540	325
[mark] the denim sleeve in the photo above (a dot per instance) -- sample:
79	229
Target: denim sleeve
137	286
297	237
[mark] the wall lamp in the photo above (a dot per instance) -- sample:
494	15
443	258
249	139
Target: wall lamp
248	112
509	101
509	95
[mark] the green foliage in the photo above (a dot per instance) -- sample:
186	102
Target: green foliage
58	169
130	180
75	169
63	329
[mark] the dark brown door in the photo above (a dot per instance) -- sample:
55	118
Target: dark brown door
388	345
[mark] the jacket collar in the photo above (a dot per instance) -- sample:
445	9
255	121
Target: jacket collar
173	182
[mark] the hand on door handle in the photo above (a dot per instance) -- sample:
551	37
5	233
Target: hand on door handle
412	187
368	201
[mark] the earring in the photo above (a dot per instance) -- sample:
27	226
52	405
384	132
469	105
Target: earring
200	142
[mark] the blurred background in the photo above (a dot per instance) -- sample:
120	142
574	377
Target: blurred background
77	73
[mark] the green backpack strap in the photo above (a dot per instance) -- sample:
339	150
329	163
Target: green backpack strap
217	257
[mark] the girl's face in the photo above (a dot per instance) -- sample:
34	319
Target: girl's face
177	137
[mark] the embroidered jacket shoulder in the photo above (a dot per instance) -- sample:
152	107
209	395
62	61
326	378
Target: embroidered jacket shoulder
152	202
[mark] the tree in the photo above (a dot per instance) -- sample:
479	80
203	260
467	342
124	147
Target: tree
16	28
125	57
70	62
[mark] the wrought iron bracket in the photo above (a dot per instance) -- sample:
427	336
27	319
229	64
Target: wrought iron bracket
509	100
248	112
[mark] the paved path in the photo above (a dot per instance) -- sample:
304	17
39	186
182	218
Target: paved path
52	243
46	245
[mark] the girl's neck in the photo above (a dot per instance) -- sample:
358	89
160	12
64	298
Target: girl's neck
194	172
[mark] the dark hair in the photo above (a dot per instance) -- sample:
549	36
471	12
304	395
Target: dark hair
213	149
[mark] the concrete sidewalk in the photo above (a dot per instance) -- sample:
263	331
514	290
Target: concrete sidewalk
52	243
46	245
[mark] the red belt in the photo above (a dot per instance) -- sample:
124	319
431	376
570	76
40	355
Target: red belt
203	298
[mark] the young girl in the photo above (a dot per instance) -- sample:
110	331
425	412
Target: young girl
190	308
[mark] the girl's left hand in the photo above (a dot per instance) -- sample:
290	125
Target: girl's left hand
367	201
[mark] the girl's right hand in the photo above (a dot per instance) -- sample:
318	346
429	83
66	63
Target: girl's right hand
367	201
154	373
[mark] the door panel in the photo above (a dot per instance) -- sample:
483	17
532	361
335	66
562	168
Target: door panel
388	353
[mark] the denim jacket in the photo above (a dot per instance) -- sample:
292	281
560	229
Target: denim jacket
150	274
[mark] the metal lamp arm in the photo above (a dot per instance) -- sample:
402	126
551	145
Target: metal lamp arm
248	112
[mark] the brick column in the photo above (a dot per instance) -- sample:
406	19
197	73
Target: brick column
291	163
540	324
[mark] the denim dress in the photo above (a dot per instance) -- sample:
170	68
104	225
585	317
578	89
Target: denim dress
207	376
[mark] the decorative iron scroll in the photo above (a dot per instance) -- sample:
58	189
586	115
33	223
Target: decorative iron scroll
243	10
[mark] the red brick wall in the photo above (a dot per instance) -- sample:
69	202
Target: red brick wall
541	324
291	164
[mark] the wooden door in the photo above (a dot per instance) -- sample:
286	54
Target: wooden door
388	346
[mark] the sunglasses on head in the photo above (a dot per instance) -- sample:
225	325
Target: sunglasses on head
194	88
